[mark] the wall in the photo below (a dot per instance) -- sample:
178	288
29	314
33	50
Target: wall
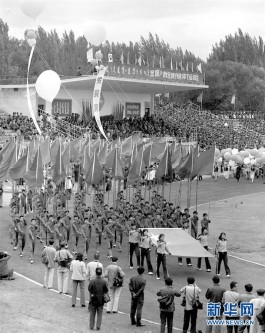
16	101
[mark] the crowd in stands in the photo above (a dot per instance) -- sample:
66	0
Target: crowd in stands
230	129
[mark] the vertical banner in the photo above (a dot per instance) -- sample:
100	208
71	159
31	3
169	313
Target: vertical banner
96	99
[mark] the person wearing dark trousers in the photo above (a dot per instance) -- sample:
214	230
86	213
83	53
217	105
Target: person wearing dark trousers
145	244
137	285
167	307
161	256
191	291
203	238
134	244
97	288
221	250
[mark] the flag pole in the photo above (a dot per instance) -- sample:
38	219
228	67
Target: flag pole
197	184
170	191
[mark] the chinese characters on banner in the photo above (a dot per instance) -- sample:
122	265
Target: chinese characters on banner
230	309
132	109
62	107
96	99
147	73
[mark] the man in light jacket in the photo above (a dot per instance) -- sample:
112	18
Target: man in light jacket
92	265
112	271
49	252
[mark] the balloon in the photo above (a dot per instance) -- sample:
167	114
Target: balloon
229	150
246	160
99	55
233	158
231	163
30	34
225	125
97	68
220	160
223	151
234	151
254	152
227	156
31	41
259	161
94	62
263	159
253	162
95	34
48	85
32	8
239	159
244	153
101	67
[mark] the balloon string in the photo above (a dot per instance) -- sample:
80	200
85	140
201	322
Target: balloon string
28	94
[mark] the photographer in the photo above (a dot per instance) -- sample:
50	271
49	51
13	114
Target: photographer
5	272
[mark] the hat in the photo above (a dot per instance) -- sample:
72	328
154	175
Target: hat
62	243
261	292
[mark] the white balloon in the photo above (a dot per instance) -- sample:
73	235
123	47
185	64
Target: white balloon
32	8
94	62
48	85
95	33
31	41
101	67
98	55
234	151
231	163
220	160
97	68
253	162
246	160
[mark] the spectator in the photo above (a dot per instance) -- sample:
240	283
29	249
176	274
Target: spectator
191	292
215	295
259	304
113	271
5	271
246	297
167	307
231	296
63	257
48	257
92	265
79	276
97	288
137	285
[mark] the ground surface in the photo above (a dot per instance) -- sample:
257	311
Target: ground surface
235	208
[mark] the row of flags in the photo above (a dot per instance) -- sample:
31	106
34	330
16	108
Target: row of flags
150	62
31	162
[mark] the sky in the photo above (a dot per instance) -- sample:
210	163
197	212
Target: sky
195	25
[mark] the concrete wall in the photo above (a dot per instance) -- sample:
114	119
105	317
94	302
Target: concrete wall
16	101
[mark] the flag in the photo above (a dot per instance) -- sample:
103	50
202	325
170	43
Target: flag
58	168
162	62
7	162
122	57
54	149
176	65
138	166
117	172
171	64
204	163
110	159
103	154
95	172
147	62
199	98
128	58
164	169
9	146
187	67
19	169
89	55
135	59
176	156
34	175
181	67
86	160
192	67
45	151
126	146
233	99
186	168
153	64
110	58
140	61
199	67
147	155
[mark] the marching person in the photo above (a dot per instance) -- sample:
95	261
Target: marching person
63	257
221	250
21	228
32	237
137	285
205	222
79	276
145	245
113	272
86	234
134	244
97	288
161	251
191	292
203	238
167	311
49	253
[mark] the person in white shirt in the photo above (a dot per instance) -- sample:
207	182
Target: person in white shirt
191	292
49	265
92	265
259	304
231	296
78	268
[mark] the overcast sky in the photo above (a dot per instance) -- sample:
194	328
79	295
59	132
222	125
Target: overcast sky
194	25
